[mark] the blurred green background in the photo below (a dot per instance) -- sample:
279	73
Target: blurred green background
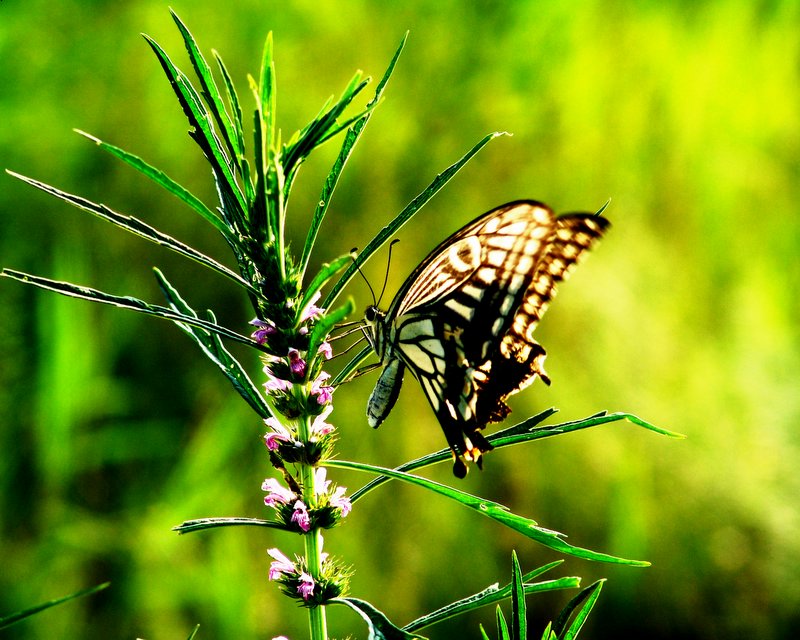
114	427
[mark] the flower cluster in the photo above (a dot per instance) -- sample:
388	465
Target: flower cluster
326	507
296	581
299	433
285	441
286	368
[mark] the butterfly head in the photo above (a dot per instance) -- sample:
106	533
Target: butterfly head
375	321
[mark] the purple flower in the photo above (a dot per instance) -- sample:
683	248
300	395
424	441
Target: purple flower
338	499
264	329
278	494
278	434
326	350
280	564
300	516
323	392
306	586
341	501
320	427
321	481
274	383
312	311
296	363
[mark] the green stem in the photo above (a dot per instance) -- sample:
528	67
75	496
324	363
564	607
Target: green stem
316	615
313	539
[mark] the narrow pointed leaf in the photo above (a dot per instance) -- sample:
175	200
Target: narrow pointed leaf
201	524
525	431
549	634
321	128
404	216
193	634
236	108
163	180
599	212
212	346
124	302
7	621
210	90
502	626
442	454
509	437
351	137
325	273
497	512
380	628
138	228
203	133
491	595
324	325
519	624
266	96
586	599
260	223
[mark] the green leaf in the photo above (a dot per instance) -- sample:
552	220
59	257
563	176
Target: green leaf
484	635
586	599
200	524
525	431
515	435
599	212
124	302
212	346
138	228
7	621
210	90
380	628
202	132
260	223
324	325
442	454
238	122
502	626
351	137
492	595
193	634
266	96
163	180
323	127
404	216
519	623
549	634
497	512
325	273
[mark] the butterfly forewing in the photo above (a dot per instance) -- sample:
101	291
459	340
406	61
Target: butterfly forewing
463	322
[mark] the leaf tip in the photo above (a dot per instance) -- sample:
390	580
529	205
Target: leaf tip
83	133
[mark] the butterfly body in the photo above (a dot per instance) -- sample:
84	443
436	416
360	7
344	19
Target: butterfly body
463	321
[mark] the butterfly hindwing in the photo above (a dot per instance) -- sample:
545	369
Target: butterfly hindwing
463	322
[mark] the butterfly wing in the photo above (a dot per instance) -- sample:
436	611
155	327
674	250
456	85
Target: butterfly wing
463	322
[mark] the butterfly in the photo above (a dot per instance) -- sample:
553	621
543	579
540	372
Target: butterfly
463	321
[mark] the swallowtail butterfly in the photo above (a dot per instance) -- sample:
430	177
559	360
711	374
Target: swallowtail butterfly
463	322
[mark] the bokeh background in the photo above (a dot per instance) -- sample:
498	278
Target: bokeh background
114	428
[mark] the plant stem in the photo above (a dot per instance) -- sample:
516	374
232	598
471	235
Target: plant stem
316	615
313	539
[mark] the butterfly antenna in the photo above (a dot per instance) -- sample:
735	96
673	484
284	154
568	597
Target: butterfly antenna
386	276
354	255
